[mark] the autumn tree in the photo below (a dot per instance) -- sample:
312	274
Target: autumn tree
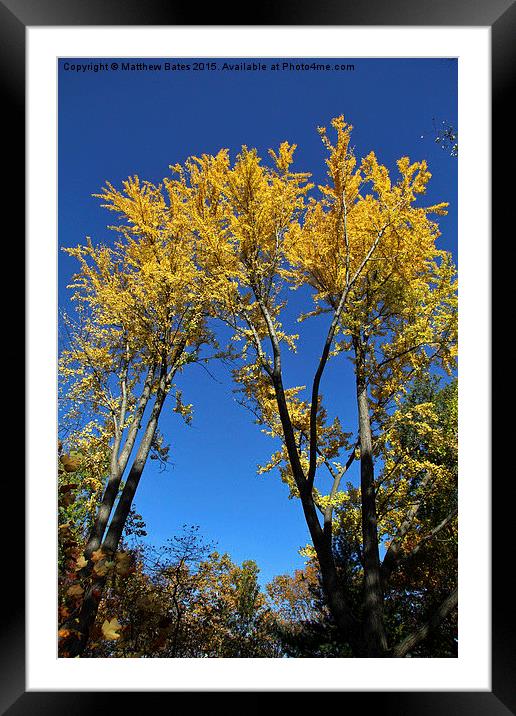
229	616
226	240
142	612
419	569
303	623
367	248
77	488
392	295
417	524
139	321
184	600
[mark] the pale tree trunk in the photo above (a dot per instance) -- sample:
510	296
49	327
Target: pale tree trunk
123	507
95	589
375	641
119	462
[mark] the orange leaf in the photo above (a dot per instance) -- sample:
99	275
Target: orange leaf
75	590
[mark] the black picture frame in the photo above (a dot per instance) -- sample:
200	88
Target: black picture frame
500	16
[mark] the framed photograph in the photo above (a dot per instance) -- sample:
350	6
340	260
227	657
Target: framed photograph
258	278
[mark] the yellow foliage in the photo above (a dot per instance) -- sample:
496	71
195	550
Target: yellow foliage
220	239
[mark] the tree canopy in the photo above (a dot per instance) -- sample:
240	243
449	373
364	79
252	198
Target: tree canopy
222	242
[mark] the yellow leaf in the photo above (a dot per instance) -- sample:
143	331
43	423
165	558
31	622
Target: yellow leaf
102	568
123	563
81	563
110	629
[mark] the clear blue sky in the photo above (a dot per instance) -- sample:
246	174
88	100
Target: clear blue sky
116	123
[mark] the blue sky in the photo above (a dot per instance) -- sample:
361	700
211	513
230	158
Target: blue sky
117	123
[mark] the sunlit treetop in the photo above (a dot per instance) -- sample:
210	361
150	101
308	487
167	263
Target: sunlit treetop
366	225
140	306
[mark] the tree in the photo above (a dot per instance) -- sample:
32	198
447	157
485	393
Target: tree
226	240
78	486
183	600
420	565
392	296
368	249
419	568
303	623
229	615
140	319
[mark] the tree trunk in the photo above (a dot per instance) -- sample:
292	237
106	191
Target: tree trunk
118	465
123	507
332	587
95	589
375	642
322	542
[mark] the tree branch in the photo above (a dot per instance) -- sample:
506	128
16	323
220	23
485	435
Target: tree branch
324	358
432	533
277	381
412	640
328	514
393	553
